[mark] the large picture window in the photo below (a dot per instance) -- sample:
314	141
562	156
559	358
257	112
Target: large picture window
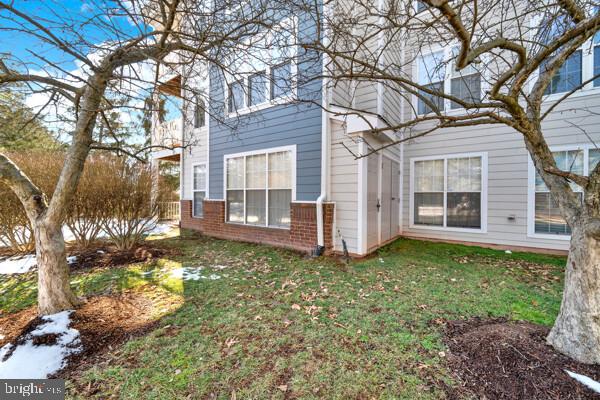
547	219
199	190
449	191
259	188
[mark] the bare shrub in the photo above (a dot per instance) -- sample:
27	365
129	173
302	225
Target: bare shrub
131	213
87	214
43	168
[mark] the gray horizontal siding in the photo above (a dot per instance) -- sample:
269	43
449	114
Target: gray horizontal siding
507	170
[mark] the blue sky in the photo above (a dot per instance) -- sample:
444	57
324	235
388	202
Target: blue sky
89	19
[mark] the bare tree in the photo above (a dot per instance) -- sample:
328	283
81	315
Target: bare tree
517	50
136	37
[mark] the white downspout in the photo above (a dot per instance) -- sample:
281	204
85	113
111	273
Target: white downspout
324	138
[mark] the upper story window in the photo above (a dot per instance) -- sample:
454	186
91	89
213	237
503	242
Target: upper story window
199	113
236	96
257	88
547	219
436	71
464	84
281	80
421	6
259	187
580	66
596	43
268	70
448	192
568	77
431	73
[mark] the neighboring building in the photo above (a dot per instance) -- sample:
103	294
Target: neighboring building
265	167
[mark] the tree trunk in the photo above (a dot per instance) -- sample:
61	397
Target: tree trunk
54	290
576	331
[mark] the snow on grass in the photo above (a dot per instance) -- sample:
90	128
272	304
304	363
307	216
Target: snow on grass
23	264
191	274
17	265
589	382
28	361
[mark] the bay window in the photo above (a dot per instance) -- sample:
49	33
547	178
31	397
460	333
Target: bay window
448	192
198	189
259	188
547	219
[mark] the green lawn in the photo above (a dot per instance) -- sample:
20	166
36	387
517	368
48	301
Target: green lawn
279	325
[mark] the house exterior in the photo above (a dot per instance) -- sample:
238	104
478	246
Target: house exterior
289	166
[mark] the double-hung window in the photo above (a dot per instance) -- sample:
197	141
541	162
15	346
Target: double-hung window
236	96
449	192
281	80
547	219
568	76
257	88
596	69
259	187
431	71
465	84
199	189
199	113
436	72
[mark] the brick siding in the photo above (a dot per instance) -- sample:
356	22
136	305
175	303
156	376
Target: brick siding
302	234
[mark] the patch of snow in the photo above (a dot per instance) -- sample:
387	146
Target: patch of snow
71	259
17	265
101	252
187	273
508	252
587	381
192	274
161	229
29	361
221	267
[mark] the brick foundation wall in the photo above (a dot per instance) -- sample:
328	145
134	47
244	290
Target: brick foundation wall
301	236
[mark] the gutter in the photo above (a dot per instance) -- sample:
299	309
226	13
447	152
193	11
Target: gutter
324	142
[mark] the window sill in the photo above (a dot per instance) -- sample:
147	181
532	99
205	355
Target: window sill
257	107
549	237
279	228
447	229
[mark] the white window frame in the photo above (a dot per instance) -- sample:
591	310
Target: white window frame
266	152
484	192
531	188
292	96
194	190
448	54
587	68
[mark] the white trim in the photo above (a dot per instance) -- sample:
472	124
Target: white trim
363	199
531	189
194	190
484	192
266	152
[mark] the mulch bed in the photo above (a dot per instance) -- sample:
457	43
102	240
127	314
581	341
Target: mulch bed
104	322
498	359
108	256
